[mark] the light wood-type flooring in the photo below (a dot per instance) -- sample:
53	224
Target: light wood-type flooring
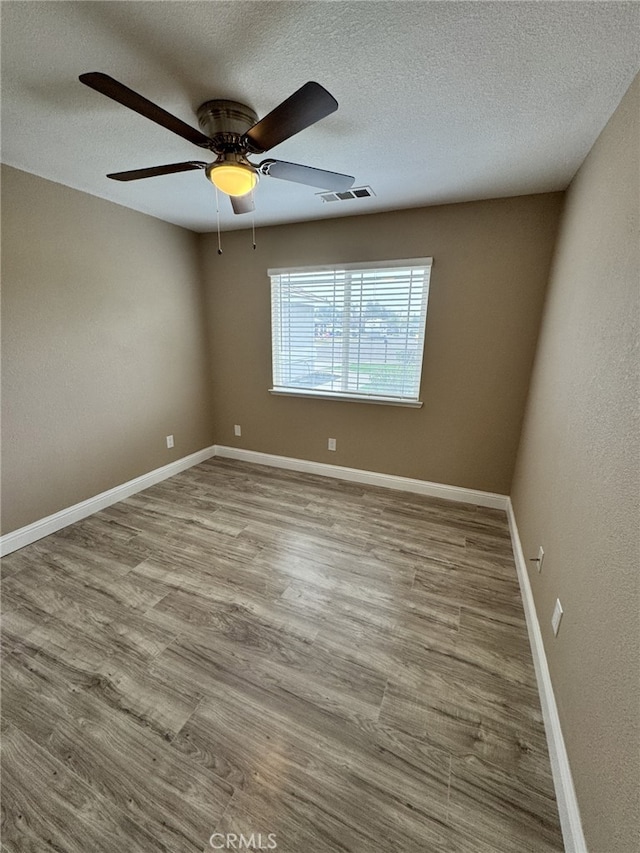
250	651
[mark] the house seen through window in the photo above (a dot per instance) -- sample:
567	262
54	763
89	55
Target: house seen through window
354	331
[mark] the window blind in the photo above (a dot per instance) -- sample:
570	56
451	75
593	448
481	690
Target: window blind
355	330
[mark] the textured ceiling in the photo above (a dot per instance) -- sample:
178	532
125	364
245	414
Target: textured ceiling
439	101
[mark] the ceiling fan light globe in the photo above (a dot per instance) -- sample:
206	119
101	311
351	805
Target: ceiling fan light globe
233	178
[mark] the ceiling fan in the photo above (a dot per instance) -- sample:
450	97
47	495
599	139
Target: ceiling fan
231	130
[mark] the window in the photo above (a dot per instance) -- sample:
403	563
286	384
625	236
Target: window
352	332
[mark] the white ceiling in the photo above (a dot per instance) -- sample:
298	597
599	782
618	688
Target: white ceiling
439	101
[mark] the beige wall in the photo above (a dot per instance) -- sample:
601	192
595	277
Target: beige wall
576	485
103	347
104	343
491	262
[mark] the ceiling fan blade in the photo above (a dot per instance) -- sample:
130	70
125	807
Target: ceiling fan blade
242	203
307	175
127	97
305	107
151	172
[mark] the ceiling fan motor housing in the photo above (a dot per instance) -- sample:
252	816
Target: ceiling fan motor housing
226	122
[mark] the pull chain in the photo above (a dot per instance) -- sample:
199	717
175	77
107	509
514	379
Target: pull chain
218	220
253	222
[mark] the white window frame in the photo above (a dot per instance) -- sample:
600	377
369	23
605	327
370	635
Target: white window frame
277	303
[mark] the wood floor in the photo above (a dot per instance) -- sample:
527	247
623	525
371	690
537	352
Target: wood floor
248	650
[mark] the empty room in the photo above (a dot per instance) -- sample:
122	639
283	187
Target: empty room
320	426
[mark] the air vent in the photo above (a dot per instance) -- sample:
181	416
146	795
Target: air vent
356	192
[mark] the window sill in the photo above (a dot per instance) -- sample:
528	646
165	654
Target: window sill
347	398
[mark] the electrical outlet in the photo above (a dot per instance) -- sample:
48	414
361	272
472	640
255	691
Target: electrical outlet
237	429
332	444
169	441
557	616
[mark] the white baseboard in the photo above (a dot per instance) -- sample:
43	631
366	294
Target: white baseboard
573	836
371	478
45	526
